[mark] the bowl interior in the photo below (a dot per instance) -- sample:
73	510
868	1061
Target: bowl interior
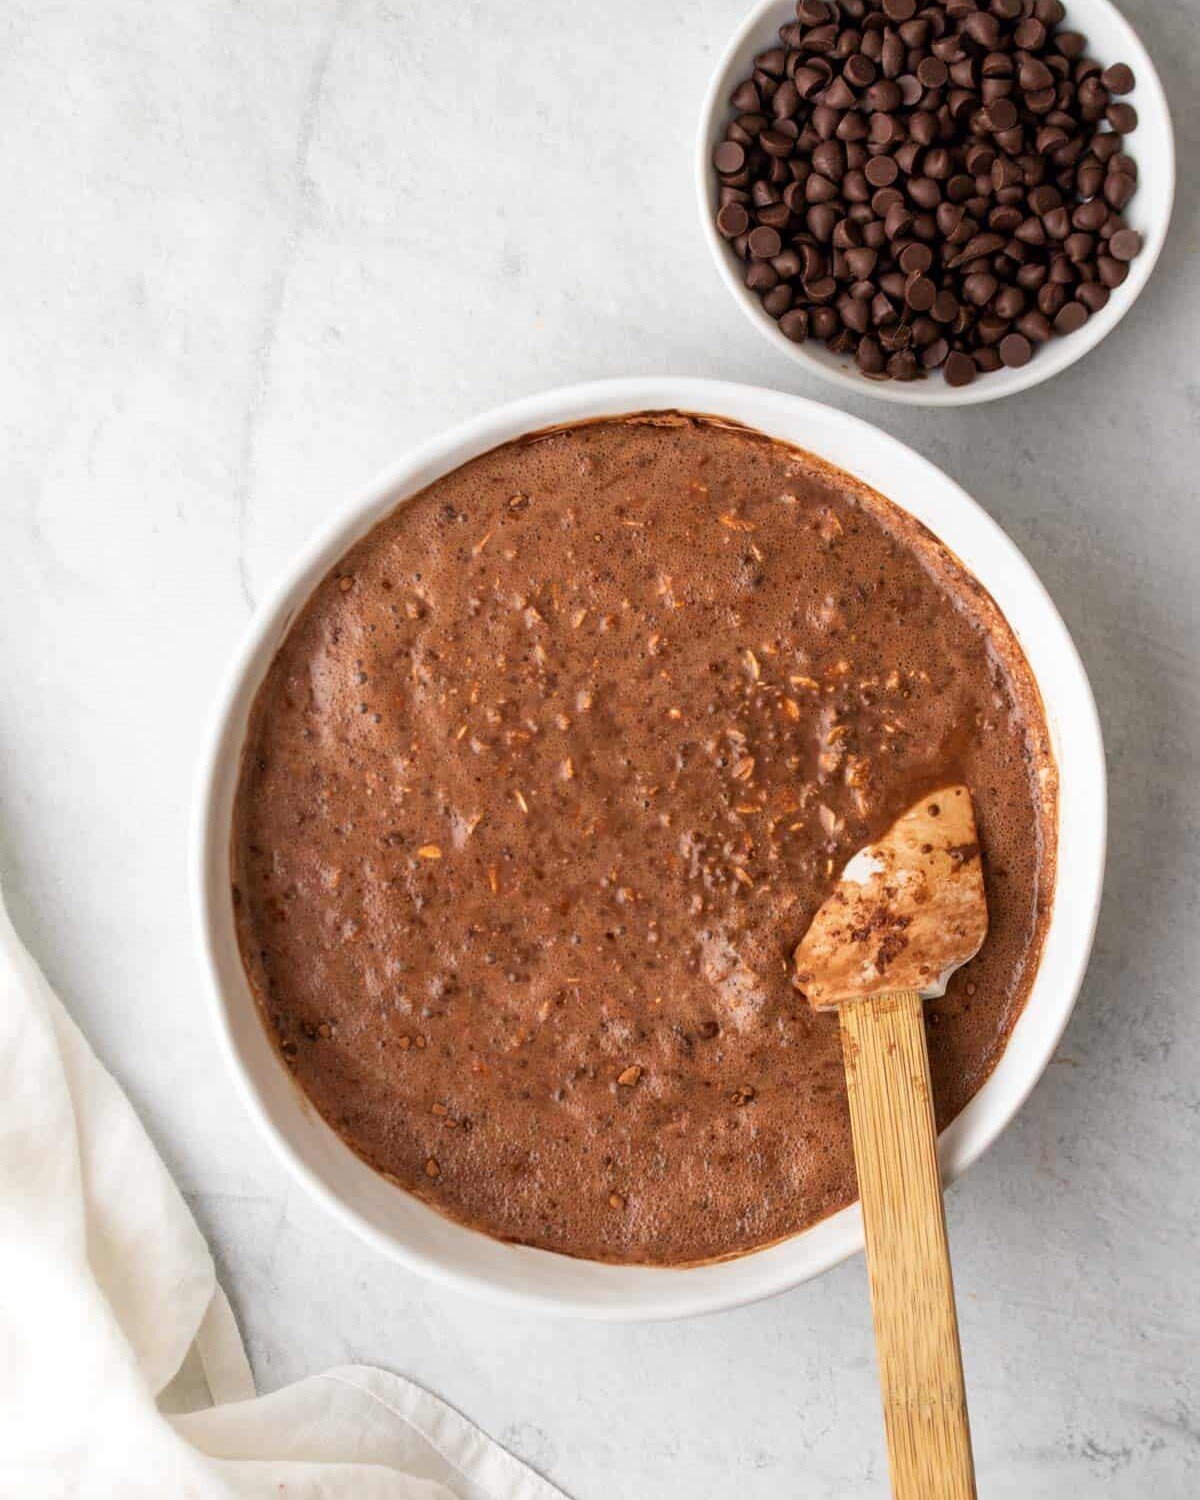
1110	39
404	1227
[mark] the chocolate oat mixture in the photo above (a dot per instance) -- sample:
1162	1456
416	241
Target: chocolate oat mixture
546	781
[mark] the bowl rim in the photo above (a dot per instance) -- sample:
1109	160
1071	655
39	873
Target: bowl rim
1061	354
623	1293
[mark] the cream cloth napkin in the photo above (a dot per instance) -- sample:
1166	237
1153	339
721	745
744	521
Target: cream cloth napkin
106	1286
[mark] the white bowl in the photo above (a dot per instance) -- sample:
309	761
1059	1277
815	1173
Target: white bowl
422	1239
1110	39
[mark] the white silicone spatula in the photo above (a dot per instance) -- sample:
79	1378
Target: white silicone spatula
907	911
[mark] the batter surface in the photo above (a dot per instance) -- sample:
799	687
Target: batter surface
547	779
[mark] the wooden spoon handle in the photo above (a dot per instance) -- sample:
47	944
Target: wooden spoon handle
908	1261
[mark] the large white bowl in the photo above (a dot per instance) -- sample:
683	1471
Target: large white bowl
399	1224
1110	39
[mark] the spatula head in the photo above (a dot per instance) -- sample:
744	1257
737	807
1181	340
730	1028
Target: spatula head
907	911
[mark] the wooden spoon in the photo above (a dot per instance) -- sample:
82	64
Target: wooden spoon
907	912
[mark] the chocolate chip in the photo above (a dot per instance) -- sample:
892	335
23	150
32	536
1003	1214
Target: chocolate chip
821	38
785	101
1015	350
1125	244
1092	295
991	328
932	72
825	121
1044	198
1122	117
923	127
1035	326
854	312
1079	246
808	81
911	89
1105	146
1112	272
761	276
824	322
775	142
924	192
829	159
894	337
885	198
788	263
905	157
924	331
846	234
945	307
1118	189
1057	223
903	366
1070	317
1001	115
982	28
1034	75
765	242
733	220
821	219
978	245
729	158
935	353
915	257
959	369
1090	216
861	262
1090	177
919	292
1010	302
979	288
870	356
817	187
1118	79
884	96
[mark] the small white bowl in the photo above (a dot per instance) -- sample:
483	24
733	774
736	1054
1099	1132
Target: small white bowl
407	1229
1110	39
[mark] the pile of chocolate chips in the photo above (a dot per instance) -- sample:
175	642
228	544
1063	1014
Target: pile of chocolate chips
929	186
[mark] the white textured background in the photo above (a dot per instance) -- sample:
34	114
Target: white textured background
251	250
